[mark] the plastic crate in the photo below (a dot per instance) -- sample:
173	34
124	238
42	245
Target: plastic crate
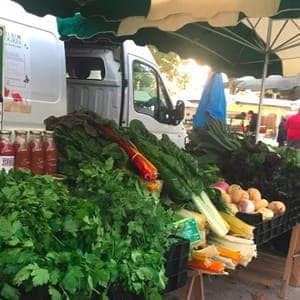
178	249
177	257
267	230
176	281
117	293
37	293
176	264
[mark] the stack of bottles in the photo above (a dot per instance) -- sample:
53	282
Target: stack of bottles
36	152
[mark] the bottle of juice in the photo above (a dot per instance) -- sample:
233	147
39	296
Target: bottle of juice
22	150
50	153
36	152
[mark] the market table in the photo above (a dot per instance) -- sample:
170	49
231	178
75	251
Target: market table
194	286
282	270
287	271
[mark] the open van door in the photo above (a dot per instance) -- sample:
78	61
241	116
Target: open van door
149	101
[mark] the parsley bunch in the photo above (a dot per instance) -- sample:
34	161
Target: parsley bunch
108	231
47	238
136	221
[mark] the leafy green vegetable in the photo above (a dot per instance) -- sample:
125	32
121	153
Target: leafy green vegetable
274	171
184	181
139	226
108	230
35	247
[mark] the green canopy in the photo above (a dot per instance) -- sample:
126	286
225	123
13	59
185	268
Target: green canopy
223	48
229	38
112	10
243	37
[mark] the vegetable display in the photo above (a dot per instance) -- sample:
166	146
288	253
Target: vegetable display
275	172
250	201
104	228
108	230
48	238
184	182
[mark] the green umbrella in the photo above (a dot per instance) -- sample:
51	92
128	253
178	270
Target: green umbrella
223	48
111	9
238	37
217	34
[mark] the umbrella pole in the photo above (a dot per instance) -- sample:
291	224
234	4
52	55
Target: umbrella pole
264	76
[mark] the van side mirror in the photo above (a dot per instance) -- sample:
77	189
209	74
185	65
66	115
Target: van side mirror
178	112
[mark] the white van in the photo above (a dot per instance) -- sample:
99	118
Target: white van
44	76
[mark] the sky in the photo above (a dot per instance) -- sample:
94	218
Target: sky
198	77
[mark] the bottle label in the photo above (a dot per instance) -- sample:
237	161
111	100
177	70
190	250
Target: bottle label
7	162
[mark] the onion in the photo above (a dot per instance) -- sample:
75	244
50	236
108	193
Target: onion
222	185
246	206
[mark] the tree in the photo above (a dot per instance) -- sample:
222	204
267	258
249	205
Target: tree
168	64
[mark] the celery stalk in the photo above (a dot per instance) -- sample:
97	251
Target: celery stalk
216	222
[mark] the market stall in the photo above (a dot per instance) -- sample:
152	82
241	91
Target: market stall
129	213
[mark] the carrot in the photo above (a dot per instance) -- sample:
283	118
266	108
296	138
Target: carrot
212	267
234	255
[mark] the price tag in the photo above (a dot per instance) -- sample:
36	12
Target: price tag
189	230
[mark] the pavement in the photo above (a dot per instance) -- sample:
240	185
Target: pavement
231	288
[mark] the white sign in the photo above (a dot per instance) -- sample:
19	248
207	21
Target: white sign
18	72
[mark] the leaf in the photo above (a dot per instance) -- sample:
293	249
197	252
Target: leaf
11	193
155	296
28	244
144	273
47	213
71	281
109	164
136	256
90	283
71	226
81	213
9	292
16	226
25	256
54	293
102	276
54	277
13	241
40	277
5	228
23	274
50	194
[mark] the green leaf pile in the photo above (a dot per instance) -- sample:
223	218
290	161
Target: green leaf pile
107	231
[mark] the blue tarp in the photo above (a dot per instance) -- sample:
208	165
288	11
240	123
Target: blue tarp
212	102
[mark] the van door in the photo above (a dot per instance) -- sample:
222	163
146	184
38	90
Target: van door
33	68
149	101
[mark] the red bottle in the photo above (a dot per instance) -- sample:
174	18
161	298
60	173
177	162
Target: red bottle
22	150
50	153
36	152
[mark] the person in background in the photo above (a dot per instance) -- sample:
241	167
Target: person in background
292	126
242	117
281	136
252	121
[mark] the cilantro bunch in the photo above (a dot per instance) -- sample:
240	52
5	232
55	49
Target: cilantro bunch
47	237
138	225
108	231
